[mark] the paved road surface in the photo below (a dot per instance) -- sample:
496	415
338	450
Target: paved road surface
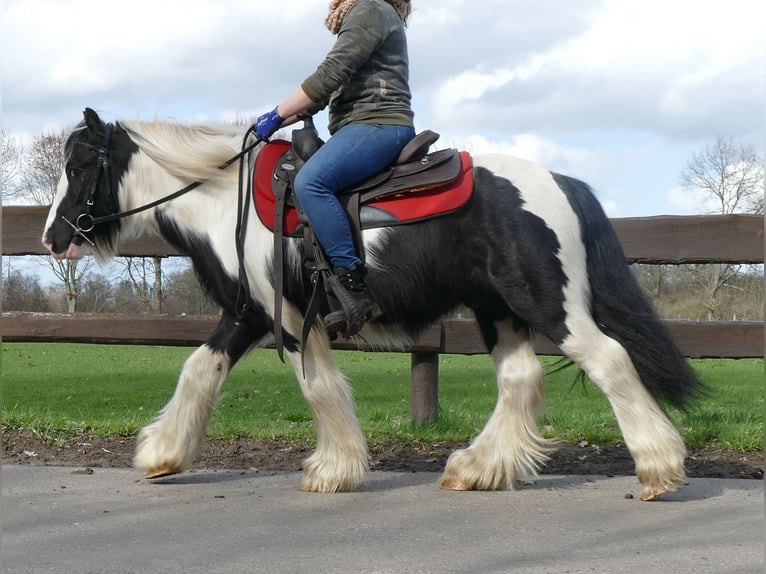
111	521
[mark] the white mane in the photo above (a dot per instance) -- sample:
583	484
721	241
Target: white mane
191	152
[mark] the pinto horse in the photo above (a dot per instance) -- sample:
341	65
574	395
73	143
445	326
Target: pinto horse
532	250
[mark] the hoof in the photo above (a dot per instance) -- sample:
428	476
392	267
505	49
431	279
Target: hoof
453	483
659	482
322	486
160	471
326	471
652	493
320	489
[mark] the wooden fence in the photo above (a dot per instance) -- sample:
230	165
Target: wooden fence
654	240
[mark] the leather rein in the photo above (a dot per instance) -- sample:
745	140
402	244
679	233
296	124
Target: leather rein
85	222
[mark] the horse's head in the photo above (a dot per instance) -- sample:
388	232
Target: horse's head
97	156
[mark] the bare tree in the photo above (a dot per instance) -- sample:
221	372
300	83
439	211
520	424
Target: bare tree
186	295
146	280
729	175
43	165
23	292
125	298
654	279
10	166
96	295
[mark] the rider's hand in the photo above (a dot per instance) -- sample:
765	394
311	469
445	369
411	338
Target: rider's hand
267	124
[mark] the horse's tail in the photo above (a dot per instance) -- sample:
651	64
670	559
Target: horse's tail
621	309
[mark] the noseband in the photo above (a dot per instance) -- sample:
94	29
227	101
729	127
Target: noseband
85	222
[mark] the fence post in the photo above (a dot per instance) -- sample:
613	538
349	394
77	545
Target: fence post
424	388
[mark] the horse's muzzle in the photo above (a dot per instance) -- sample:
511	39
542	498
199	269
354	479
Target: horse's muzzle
73	251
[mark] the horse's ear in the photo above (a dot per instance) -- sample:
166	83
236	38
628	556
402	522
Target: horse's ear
93	123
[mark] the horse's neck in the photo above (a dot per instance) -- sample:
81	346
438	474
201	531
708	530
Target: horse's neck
147	182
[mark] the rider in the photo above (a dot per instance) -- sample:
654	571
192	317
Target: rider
365	81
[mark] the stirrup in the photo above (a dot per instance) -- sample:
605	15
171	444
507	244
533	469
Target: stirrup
350	318
336	322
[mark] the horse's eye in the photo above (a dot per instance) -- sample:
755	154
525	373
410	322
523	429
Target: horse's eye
74	172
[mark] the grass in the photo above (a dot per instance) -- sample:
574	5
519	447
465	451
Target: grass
59	389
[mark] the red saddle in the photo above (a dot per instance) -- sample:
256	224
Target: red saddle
402	207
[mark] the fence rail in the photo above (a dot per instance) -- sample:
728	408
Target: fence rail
699	339
655	240
659	239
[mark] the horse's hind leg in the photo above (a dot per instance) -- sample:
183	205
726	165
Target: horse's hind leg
654	443
510	447
172	442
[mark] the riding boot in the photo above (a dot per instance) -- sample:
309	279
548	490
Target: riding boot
358	305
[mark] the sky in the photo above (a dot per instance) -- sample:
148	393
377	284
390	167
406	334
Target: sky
619	93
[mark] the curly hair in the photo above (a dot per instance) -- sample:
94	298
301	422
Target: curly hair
338	9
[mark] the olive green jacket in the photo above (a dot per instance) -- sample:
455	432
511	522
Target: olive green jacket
365	77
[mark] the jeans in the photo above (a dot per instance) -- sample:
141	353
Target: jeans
354	153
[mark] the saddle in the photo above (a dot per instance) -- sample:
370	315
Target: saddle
419	185
416	187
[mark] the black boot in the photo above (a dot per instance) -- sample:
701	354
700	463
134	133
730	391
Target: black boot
357	303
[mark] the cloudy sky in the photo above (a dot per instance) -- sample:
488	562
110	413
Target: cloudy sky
619	93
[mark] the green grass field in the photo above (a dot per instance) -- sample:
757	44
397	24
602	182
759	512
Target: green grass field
58	389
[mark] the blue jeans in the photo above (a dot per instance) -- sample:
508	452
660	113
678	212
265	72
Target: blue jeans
354	153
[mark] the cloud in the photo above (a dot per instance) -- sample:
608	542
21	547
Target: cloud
692	201
677	68
167	58
687	201
659	66
614	92
533	148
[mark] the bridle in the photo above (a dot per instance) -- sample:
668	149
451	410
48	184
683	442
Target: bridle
85	222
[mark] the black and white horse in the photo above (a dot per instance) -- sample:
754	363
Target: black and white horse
531	251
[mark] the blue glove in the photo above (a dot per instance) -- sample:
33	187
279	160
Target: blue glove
267	124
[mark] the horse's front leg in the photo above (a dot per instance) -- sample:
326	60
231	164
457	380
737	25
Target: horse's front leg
510	447
172	442
340	461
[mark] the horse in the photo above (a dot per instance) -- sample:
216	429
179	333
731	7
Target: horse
532	251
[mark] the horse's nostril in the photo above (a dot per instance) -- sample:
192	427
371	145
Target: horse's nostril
48	243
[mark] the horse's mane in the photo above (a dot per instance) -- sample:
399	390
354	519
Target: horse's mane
191	152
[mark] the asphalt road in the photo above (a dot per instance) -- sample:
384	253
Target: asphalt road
58	519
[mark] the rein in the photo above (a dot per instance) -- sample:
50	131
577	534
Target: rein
85	222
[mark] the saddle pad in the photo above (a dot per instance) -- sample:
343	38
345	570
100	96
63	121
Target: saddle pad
408	206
